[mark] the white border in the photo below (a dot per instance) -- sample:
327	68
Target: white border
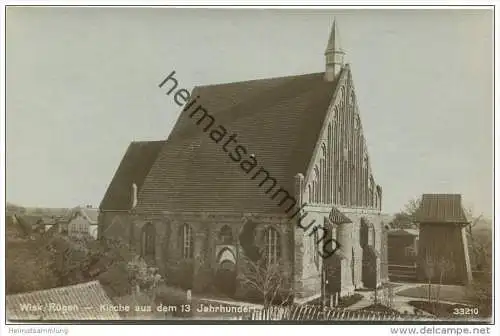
242	330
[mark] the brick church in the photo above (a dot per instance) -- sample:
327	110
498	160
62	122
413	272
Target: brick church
297	143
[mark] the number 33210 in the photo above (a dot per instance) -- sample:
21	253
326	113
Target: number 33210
465	311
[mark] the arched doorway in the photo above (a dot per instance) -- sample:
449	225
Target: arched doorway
225	278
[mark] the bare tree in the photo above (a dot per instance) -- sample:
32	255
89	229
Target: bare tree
481	288
473	219
443	266
412	206
429	271
436	267
267	280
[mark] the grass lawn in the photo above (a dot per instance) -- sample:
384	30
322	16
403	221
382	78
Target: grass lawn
447	293
383	286
344	302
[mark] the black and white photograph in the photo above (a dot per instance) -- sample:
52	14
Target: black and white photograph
239	165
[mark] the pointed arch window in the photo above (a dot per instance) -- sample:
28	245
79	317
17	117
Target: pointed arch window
371	191
272	246
148	241
329	165
315	243
371	234
187	241
226	235
345	183
323	179
316	188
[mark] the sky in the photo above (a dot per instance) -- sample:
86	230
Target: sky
82	83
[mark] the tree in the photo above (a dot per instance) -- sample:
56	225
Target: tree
77	261
406	218
479	239
429	271
480	290
443	266
27	268
267	280
436	267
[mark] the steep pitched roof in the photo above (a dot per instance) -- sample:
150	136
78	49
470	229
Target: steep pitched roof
90	214
87	297
277	119
441	208
334	40
133	168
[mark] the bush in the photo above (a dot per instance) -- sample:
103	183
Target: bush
28	268
180	274
171	296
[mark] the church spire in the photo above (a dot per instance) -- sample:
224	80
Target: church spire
334	55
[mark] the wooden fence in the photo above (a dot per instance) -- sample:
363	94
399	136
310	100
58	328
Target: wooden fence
314	313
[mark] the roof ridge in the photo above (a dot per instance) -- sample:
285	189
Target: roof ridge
84	213
257	80
222	117
135	163
146	141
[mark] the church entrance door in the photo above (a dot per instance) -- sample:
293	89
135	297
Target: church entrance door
226	278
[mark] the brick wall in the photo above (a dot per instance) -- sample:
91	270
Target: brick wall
199	272
298	247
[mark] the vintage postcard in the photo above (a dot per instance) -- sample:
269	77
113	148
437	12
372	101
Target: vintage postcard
242	165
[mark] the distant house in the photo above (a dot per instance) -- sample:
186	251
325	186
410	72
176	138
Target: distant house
402	247
83	222
49	222
86	301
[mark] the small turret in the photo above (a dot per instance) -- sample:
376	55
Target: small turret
334	55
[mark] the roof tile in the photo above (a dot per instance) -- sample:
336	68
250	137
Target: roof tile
133	168
278	120
87	297
441	208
